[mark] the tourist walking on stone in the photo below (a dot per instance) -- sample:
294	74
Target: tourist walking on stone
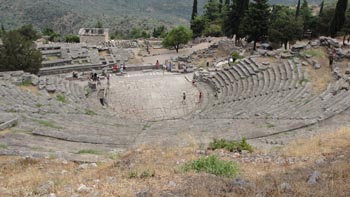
331	59
108	83
200	96
101	96
184	98
157	64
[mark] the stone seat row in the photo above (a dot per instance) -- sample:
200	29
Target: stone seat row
293	104
243	81
14	99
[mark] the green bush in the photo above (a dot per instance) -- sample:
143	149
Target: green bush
27	82
61	98
232	146
235	55
142	175
212	165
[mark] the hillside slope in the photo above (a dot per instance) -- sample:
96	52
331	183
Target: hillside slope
67	16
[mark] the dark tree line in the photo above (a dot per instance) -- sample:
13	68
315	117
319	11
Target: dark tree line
257	21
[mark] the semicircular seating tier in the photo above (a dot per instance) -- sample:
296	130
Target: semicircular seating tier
280	90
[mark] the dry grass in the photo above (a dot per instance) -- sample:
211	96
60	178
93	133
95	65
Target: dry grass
319	84
272	60
321	144
31	89
3	132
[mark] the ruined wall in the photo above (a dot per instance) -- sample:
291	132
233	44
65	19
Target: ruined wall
93	35
93	39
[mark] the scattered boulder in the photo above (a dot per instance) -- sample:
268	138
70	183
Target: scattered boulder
304	63
83	189
87	166
144	193
262	52
285	188
313	178
242	183
316	65
286	55
347	71
327	41
298	47
315	43
183	58
172	184
46	188
271	53
51	88
34	80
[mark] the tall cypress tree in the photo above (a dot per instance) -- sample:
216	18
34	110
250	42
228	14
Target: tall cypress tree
297	12
194	9
321	8
306	14
339	17
220	6
236	14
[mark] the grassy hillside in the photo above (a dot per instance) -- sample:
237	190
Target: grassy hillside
69	15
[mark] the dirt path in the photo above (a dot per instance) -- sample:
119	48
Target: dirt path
165	54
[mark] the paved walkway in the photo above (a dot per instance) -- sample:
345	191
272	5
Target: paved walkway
152	95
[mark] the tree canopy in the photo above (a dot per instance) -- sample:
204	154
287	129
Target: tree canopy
283	26
256	21
18	51
176	37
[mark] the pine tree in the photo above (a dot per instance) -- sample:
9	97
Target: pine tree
256	21
339	17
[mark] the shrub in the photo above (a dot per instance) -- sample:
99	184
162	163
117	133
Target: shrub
90	112
212	165
235	55
27	82
61	98
3	146
89	151
232	146
132	174
142	175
